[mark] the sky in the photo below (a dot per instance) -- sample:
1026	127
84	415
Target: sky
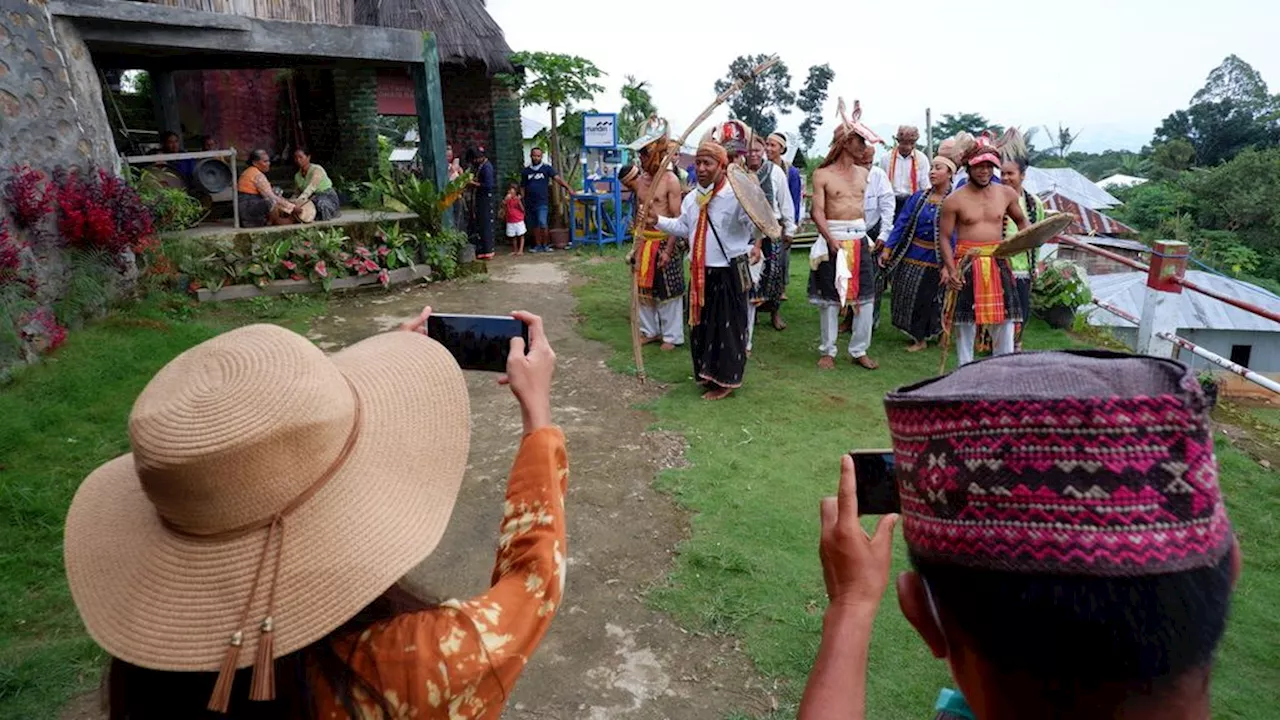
1111	69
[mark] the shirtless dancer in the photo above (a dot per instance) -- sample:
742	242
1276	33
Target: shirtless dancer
661	271
839	197
987	294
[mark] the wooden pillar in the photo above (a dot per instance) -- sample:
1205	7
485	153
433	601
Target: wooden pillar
426	93
1160	306
165	98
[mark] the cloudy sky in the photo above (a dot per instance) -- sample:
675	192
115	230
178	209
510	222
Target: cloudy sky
1111	68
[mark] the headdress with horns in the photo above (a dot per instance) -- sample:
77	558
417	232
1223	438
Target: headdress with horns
850	125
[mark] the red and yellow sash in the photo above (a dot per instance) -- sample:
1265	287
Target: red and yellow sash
698	263
852	261
988	288
647	261
893	167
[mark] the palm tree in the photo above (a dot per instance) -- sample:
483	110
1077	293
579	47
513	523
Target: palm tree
638	109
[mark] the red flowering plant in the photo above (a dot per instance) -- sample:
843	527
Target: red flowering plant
99	211
26	192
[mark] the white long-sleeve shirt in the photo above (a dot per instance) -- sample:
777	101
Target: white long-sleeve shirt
724	212
879	203
784	208
902	171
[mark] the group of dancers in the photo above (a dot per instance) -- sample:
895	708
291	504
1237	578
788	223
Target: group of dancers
870	238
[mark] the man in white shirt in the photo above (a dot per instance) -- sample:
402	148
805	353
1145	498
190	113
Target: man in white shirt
773	283
719	231
907	167
880	213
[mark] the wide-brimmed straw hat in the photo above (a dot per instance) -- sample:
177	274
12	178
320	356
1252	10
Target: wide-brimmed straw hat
272	493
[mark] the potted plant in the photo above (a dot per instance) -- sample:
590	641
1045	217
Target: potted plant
1060	288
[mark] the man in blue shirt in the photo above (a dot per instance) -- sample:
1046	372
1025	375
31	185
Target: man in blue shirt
536	180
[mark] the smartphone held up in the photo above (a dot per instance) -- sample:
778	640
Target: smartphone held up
877	484
478	342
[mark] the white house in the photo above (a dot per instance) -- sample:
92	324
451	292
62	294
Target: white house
1238	335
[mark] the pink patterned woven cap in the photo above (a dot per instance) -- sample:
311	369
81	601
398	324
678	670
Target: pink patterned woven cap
1083	463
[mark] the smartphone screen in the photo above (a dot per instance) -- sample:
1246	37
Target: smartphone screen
877	485
477	342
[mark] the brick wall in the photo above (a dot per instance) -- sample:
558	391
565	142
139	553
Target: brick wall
468	107
355	94
508	144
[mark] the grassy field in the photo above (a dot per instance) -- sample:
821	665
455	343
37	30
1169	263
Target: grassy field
760	461
58	421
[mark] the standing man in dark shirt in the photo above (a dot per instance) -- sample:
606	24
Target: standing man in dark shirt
484	184
536	180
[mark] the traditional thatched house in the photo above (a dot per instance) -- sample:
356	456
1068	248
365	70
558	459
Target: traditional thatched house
479	108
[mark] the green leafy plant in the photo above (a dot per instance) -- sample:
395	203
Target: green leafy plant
419	196
396	247
172	209
440	251
1061	283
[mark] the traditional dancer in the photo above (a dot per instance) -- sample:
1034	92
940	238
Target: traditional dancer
767	296
842	269
656	259
720	233
1013	151
985	292
912	260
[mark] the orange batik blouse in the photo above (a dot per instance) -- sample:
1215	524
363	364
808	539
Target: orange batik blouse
460	660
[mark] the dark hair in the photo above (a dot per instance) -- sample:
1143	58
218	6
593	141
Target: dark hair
1078	634
169	134
303	149
258	154
799	160
136	693
535	147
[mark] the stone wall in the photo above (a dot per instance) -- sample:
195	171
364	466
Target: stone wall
355	95
508	142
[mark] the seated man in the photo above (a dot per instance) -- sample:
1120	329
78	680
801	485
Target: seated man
185	168
1065	575
260	204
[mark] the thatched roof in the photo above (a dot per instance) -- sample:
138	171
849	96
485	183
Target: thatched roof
465	32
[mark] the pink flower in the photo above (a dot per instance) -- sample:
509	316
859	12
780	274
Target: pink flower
321	269
383	251
371	266
289	264
362	251
384	277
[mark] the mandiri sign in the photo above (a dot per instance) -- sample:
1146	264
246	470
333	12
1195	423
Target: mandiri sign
600	130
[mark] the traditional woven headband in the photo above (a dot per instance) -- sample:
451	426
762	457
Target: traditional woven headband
1067	463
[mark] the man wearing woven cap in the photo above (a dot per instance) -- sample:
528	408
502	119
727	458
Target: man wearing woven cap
1061	574
773	283
842	270
908	167
984	287
656	259
720	231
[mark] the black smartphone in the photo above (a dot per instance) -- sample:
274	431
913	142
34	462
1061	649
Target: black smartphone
877	485
478	342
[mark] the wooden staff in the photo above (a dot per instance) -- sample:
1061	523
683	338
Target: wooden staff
949	311
642	208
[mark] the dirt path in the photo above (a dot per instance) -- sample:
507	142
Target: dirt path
607	655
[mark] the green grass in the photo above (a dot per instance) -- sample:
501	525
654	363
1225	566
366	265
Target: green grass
760	462
58	421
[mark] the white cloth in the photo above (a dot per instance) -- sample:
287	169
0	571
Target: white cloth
751	324
515	229
840	230
967	334
783	207
843	276
879	203
725	212
901	179
664	319
863	324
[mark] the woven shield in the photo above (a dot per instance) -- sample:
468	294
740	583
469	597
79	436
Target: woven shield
753	200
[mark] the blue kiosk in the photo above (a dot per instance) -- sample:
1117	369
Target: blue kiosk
600	207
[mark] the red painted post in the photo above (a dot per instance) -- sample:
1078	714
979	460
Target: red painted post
1160	307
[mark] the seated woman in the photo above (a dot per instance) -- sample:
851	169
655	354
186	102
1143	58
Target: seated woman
315	185
259	203
245	557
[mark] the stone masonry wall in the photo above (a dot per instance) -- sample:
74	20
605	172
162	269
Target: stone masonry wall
508	143
355	94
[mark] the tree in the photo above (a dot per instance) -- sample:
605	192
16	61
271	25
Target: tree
557	81
1235	80
972	123
810	101
637	108
760	101
1062	140
1173	156
1232	112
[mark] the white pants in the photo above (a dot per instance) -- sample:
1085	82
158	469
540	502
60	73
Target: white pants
967	334
664	319
863	322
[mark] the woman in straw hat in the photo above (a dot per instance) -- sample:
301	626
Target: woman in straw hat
244	559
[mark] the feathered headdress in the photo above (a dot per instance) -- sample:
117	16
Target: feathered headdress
954	149
850	124
1013	148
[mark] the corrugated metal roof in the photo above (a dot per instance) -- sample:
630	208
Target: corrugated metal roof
1111	242
530	127
1087	222
1070	183
1195	311
1119	180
